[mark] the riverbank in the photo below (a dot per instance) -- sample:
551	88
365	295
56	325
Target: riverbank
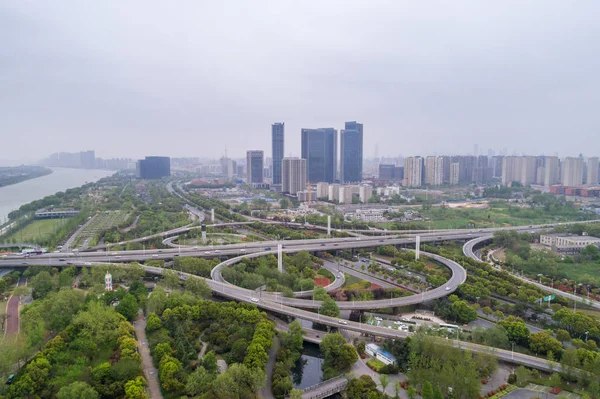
19	174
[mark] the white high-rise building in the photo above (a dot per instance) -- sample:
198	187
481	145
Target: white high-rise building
322	190
454	173
347	192
413	171
572	171
551	171
293	175
434	171
334	192
522	169
592	171
365	193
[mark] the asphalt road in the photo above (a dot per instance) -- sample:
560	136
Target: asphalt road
12	310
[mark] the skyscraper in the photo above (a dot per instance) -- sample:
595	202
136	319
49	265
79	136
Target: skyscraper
351	152
434	171
572	171
551	171
277	141
319	148
293	175
254	166
592	171
153	167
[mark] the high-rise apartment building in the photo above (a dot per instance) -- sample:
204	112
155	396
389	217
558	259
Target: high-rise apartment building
365	193
334	192
277	143
497	166
293	175
413	172
434	171
88	159
454	173
551	171
592	171
347	192
228	167
322	190
255	166
572	171
482	172
319	148
521	169
351	152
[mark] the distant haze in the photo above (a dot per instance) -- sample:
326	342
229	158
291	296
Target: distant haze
191	78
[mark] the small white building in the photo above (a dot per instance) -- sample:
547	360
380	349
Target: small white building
568	243
380	354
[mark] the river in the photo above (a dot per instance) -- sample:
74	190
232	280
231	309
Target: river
15	195
307	370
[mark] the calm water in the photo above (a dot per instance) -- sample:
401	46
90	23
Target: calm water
15	195
307	371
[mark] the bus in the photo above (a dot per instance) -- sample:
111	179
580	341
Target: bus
450	327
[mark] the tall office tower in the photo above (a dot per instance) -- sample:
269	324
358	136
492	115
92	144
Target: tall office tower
572	171
434	171
551	171
592	171
413	171
228	167
319	148
454	173
153	167
277	142
386	171
497	166
293	175
255	166
351	152
88	159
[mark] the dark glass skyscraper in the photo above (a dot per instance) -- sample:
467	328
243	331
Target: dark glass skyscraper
277	139
319	148
255	161
351	153
153	167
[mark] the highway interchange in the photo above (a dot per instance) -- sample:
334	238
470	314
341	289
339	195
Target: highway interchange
293	307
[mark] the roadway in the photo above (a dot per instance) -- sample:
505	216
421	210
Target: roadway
12	311
469	252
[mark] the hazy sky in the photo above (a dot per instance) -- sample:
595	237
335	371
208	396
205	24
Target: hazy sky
190	78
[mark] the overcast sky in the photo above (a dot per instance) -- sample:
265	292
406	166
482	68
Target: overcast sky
191	78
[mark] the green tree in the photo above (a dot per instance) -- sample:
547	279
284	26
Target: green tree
563	335
171	279
338	356
516	330
42	284
487	310
384	381
329	308
128	307
320	294
295	394
541	342
198	287
170	373
157	301
3	286
238	382
77	390
427	392
153	322
498	315
462	312
135	389
209	362
199	382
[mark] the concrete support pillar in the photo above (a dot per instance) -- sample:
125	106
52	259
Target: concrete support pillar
329	225
417	247
203	234
212	215
280	258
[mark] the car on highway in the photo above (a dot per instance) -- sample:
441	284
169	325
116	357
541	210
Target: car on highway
243	250
267	248
254	300
24	263
398	323
335	245
62	260
217	251
207	252
87	264
155	256
447	288
439	237
195	247
342	322
322	245
381	240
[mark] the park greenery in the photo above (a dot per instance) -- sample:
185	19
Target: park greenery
583	267
238	333
72	345
299	273
338	355
288	355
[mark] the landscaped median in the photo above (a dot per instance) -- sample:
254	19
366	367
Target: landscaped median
500	392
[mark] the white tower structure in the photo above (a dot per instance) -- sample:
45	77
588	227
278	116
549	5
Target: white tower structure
280	258
212	215
417	247
329	225
108	282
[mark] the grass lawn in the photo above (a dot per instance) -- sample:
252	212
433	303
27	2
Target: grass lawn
37	229
349	280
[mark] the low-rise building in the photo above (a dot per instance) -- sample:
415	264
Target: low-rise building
568	243
380	354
